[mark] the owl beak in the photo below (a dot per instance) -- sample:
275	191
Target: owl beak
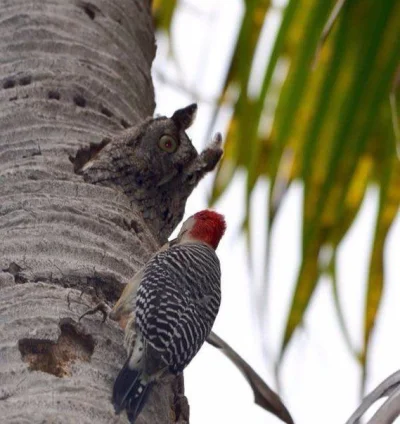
167	178
184	118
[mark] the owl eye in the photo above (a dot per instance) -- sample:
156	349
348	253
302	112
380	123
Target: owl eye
168	144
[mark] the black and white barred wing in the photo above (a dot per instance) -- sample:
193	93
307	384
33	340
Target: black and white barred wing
178	301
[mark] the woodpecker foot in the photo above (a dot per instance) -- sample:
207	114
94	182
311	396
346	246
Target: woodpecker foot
100	307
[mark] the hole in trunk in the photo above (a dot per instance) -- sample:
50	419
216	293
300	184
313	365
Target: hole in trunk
106	112
9	83
85	154
25	80
79	100
53	94
55	357
124	123
89	10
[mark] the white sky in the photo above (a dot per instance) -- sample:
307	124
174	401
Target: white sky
320	380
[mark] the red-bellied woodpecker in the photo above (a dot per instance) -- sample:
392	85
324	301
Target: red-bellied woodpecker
168	310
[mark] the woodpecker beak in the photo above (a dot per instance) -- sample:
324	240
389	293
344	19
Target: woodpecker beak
173	242
178	239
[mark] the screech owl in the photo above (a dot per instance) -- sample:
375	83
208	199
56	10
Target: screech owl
155	164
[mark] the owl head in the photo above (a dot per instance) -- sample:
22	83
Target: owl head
155	164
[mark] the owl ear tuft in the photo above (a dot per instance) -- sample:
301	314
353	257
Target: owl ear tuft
184	118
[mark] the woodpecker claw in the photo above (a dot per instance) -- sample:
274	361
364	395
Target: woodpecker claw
100	307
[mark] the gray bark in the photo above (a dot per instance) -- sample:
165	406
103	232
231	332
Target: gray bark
71	73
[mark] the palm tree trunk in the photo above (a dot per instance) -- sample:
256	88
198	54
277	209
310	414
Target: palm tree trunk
71	73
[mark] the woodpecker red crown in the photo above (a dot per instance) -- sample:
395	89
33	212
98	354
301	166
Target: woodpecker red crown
209	227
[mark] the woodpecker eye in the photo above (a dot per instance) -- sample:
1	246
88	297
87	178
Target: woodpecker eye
168	144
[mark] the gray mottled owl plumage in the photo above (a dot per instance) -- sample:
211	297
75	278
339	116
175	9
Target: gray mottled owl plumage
155	164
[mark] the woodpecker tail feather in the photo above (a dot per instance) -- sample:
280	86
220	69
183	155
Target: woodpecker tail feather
137	401
130	392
